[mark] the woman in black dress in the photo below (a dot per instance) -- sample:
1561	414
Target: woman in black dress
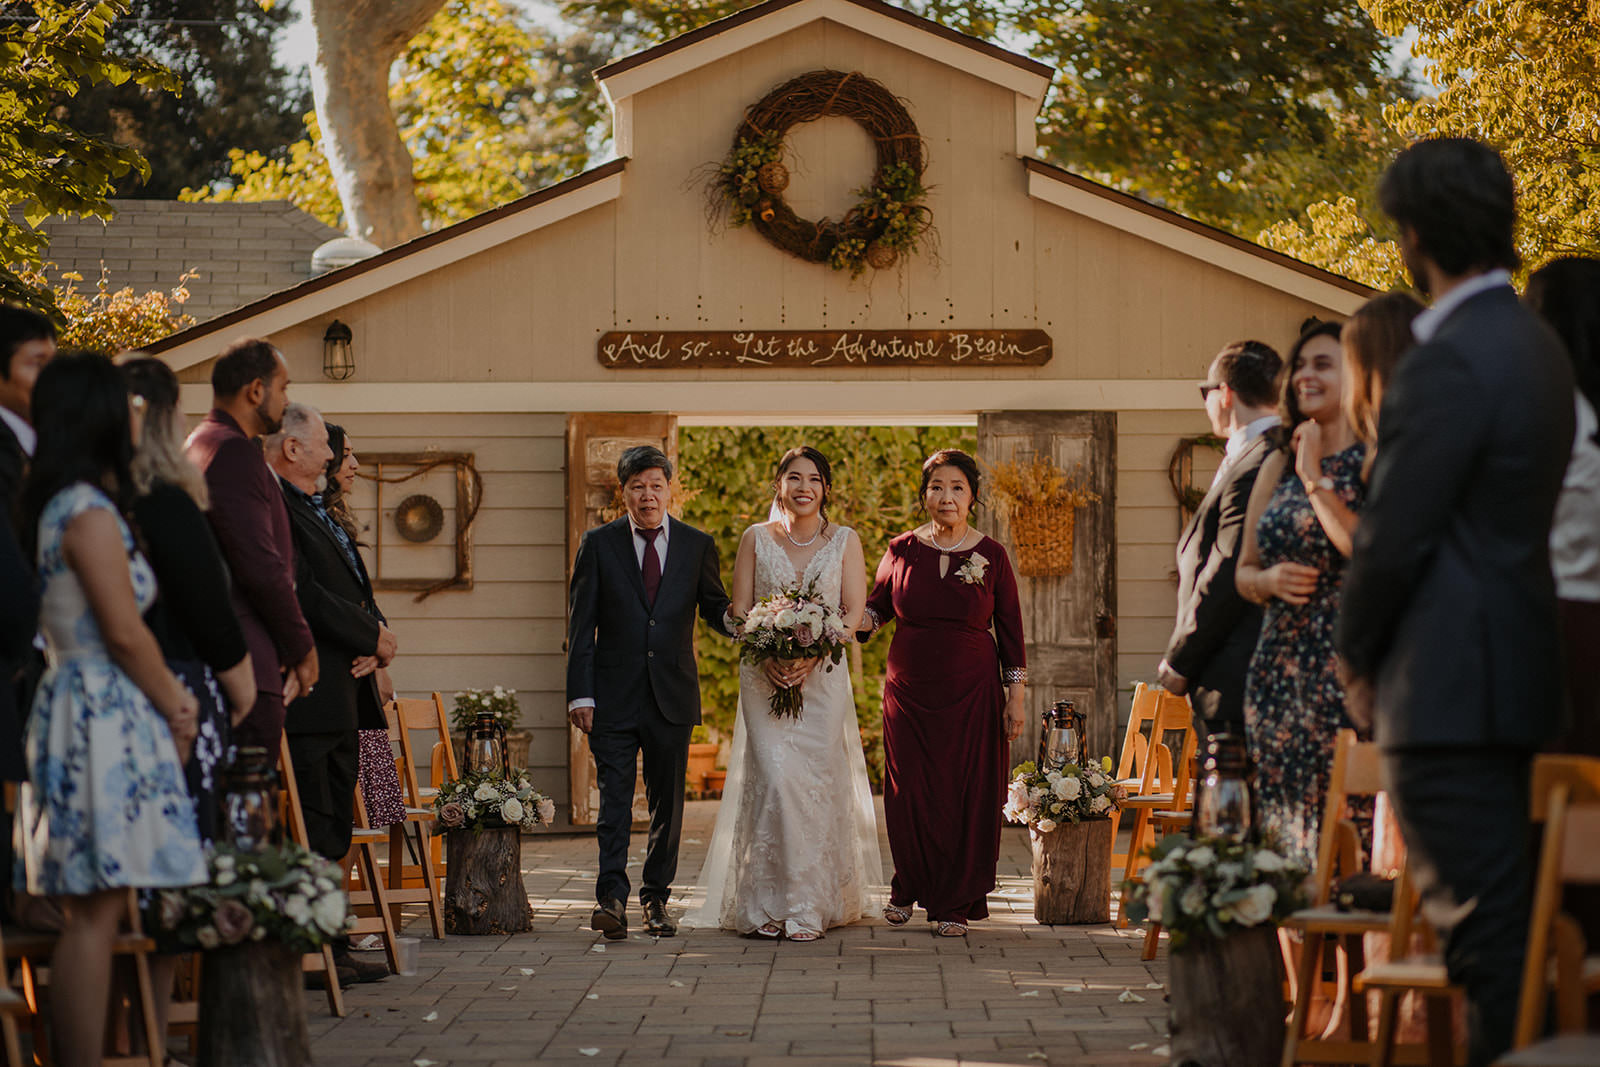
192	616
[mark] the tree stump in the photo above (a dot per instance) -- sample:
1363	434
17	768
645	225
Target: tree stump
1226	999
483	890
252	1008
1072	872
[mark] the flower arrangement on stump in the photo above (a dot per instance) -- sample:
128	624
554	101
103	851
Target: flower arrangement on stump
1068	814
489	799
483	814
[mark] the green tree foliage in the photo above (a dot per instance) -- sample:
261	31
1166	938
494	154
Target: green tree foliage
875	476
487	104
48	166
233	91
1517	74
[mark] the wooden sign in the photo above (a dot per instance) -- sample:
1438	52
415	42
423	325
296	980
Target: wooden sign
798	349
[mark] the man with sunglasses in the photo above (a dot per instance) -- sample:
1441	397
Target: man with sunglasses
1216	628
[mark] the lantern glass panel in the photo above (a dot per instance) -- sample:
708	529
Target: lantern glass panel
250	801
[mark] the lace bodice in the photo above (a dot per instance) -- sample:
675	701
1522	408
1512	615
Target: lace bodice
775	571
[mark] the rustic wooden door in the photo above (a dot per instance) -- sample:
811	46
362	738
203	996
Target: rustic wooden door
594	442
1069	620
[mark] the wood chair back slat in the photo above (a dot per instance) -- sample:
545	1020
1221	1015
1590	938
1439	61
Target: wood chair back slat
1354	773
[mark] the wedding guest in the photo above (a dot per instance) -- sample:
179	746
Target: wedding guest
1297	538
249	386
1449	629
1373	339
1566	293
114	812
952	700
376	774
321	726
192	616
1215	631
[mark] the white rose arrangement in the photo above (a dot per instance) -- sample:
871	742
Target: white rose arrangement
486	799
1044	799
1210	887
283	893
793	624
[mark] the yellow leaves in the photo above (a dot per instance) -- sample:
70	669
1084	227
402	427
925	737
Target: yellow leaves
1336	237
113	320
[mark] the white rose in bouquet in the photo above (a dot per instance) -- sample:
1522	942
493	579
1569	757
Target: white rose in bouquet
1202	857
511	811
1156	899
1193	900
1268	860
786	619
297	909
1068	788
1099	804
329	913
1256	907
547	811
208	937
1046	825
486	793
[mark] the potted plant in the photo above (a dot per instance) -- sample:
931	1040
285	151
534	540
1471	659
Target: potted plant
502	704
1040	501
482	815
1220	901
702	758
1068	814
254	918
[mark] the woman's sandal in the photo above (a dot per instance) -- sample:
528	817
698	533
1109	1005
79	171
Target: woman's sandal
942	928
804	935
895	915
771	931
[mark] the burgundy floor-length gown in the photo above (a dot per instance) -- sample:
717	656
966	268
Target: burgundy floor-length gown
944	721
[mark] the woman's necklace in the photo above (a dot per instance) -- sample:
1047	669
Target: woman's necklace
801	544
933	536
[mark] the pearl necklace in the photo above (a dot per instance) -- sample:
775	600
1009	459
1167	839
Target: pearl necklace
801	544
933	537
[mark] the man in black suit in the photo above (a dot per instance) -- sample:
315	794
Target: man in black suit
351	638
632	684
1448	627
1216	628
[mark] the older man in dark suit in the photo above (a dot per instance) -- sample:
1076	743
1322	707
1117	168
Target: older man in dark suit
249	386
632	683
1449	615
1216	628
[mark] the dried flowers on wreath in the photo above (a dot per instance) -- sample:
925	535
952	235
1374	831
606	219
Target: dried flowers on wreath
1038	483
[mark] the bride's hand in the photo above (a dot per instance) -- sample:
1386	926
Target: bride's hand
787	673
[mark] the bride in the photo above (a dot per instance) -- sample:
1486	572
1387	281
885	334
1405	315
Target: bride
795	850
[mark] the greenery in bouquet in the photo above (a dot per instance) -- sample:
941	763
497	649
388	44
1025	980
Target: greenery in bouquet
482	800
284	893
1212	886
795	623
499	702
1044	799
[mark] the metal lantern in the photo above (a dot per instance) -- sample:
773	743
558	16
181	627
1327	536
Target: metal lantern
1062	740
338	361
486	745
250	801
1224	798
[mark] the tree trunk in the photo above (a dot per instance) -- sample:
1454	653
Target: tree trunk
1227	1000
357	42
263	978
483	890
1072	872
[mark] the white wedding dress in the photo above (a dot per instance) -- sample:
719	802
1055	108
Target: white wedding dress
796	841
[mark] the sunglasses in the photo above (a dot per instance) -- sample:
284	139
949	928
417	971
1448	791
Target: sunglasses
1207	388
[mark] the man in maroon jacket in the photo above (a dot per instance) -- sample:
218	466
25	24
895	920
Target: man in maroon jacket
249	386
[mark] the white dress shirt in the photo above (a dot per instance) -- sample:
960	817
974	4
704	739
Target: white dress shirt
26	437
1242	439
638	554
1427	322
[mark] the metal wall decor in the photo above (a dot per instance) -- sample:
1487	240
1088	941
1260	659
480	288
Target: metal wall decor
419	518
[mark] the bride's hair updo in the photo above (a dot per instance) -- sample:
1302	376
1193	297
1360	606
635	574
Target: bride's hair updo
823	468
950	457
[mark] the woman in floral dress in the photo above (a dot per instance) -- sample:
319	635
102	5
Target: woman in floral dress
1298	534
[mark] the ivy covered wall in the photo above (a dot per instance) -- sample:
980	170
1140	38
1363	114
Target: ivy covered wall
728	476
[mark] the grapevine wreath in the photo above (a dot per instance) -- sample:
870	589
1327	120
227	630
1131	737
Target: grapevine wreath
887	221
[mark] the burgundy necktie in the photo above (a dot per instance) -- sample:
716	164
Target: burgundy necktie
652	565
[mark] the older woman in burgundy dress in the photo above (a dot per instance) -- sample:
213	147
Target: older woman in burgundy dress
946	717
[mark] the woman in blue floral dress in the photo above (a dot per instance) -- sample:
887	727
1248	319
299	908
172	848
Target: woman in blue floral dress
1298	535
105	807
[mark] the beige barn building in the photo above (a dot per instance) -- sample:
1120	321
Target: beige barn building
484	339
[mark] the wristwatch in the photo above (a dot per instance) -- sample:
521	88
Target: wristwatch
1324	483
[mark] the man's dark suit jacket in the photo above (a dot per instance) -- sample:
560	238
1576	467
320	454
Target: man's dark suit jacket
252	526
21	602
1448	602
337	602
1216	629
621	651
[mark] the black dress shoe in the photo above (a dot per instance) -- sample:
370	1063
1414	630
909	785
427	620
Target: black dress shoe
363	971
656	921
610	918
317	980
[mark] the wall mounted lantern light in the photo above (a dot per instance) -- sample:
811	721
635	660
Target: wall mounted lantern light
338	361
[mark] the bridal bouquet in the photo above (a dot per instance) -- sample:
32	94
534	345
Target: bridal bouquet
793	624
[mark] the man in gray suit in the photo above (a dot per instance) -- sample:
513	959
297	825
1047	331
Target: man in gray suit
1216	628
1448	631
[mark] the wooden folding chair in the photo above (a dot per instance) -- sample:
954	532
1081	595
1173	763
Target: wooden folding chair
428	718
1404	973
404	717
1566	798
1158	784
1175	817
321	961
365	886
33	949
1355	774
